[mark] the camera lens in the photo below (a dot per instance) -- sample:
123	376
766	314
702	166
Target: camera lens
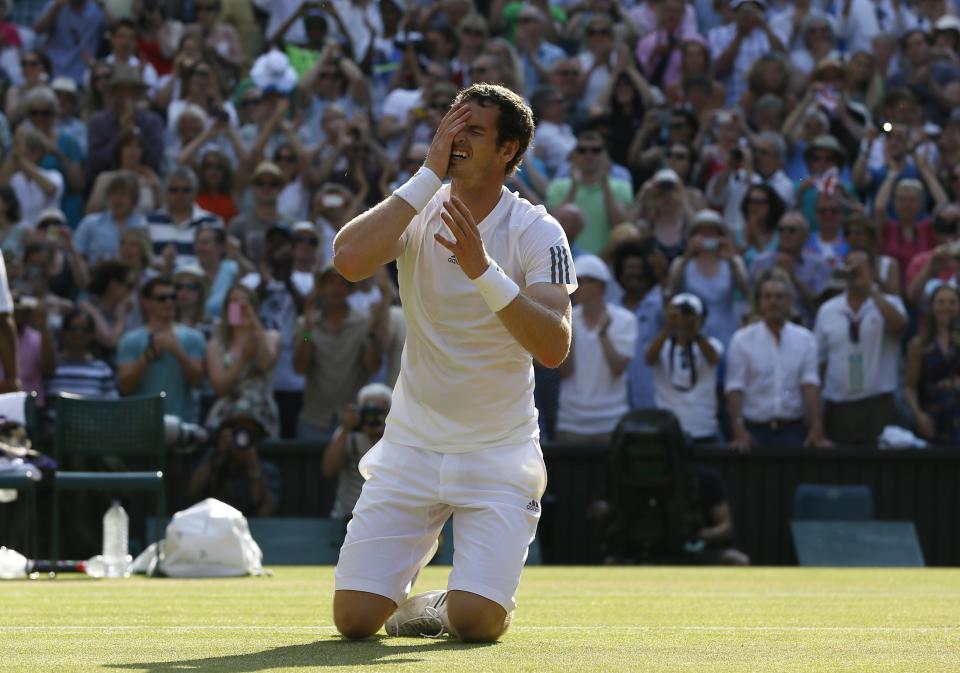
242	439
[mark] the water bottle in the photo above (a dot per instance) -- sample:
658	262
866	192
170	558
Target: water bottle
116	532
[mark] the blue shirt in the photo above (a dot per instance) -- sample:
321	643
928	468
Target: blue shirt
226	274
74	31
164	373
98	235
649	315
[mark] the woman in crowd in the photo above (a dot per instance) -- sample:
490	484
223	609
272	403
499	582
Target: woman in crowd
761	208
240	361
190	282
37	71
78	371
128	156
711	269
110	302
933	369
215	194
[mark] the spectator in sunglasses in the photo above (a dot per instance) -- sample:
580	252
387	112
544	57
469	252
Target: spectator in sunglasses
162	356
78	370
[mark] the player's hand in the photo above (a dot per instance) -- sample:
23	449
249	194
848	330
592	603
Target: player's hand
467	246
438	157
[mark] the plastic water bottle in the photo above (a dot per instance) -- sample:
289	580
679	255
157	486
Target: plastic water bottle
116	533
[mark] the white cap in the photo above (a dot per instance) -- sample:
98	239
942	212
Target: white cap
304	225
707	218
666	175
591	266
272	72
947	22
64	84
688	299
52	214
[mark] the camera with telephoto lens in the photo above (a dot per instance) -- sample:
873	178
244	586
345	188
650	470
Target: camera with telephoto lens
371	416
242	439
183	437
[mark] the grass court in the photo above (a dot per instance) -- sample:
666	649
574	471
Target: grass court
650	619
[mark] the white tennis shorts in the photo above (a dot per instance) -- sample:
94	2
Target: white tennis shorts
409	493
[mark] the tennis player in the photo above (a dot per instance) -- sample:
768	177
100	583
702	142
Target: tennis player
485	279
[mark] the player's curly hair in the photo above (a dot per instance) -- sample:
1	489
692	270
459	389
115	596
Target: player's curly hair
515	121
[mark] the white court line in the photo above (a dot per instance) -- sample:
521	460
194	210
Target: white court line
247	627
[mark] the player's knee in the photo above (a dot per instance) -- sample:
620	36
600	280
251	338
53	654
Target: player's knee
356	616
477	621
354	625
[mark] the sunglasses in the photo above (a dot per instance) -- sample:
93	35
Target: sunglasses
821	157
589	150
164	297
187	286
268	184
678	155
179	190
789	230
29	63
285	158
309	240
44	112
599	31
247	102
473	31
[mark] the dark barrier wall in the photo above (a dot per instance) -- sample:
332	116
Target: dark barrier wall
922	486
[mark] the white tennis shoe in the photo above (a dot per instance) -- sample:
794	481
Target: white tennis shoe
423	615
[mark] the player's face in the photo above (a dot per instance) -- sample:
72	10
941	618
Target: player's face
476	154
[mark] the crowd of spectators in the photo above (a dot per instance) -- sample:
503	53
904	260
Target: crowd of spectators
762	197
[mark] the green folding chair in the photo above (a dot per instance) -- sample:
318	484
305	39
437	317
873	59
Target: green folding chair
129	427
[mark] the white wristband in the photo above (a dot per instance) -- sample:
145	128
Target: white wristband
496	287
420	188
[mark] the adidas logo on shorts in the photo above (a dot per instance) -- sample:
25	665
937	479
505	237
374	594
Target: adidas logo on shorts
533	506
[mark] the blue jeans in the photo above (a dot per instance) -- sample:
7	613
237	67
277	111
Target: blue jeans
786	436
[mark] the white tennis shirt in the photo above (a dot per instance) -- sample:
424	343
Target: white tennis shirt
465	383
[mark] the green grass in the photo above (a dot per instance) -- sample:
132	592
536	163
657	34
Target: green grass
568	619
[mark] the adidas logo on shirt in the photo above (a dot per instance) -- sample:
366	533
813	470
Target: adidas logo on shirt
533	506
453	260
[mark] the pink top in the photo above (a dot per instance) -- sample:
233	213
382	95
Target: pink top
648	63
903	250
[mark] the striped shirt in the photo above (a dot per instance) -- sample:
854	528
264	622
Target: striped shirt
90	378
164	231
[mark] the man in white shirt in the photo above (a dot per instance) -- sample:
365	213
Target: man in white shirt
684	362
858	333
772	384
484	279
593	386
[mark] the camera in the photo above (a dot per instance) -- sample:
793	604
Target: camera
710	244
736	155
182	437
687	309
242	439
372	416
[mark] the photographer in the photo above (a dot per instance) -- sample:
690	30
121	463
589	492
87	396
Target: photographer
684	362
360	428
232	471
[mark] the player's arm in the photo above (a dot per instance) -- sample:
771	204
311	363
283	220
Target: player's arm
373	238
538	318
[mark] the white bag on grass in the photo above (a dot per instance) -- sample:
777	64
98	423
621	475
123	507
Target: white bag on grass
210	539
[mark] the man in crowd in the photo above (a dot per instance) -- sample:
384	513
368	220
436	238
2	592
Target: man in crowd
162	356
772	384
809	272
593	386
172	229
858	333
